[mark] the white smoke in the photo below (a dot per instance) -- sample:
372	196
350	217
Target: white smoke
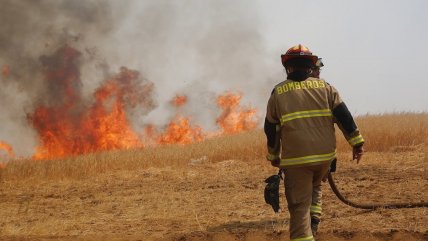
196	48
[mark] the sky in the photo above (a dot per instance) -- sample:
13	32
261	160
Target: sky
374	52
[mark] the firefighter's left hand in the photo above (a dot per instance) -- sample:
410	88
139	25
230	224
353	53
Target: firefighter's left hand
275	162
357	153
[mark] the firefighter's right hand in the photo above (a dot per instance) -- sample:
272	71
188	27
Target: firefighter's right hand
274	159
357	153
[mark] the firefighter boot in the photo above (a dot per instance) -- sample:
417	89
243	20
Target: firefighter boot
314	225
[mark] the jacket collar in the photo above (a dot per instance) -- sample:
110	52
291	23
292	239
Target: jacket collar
298	75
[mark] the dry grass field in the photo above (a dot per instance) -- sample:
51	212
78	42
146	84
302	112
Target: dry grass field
213	190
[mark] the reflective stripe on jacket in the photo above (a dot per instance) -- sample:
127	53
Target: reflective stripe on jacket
305	112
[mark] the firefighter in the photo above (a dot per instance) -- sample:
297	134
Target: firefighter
299	127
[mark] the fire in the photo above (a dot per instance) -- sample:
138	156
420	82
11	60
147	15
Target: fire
5	70
7	148
71	126
109	127
234	118
179	131
179	100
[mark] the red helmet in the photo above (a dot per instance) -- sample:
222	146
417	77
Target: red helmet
298	51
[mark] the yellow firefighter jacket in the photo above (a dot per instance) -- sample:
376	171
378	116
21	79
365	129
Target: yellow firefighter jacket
300	122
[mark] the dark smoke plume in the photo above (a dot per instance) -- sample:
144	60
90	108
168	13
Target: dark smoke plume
30	30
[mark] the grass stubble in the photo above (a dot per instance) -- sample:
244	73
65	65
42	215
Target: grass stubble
204	186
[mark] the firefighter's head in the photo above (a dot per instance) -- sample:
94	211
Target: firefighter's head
317	68
298	58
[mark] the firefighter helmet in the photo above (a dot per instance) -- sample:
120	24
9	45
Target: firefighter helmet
298	52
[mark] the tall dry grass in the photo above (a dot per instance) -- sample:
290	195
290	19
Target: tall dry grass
246	146
386	132
390	132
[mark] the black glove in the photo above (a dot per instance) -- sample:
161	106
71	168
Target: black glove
272	191
333	165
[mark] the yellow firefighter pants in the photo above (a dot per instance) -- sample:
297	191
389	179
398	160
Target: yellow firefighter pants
303	193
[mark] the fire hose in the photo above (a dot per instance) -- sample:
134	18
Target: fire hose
271	194
371	206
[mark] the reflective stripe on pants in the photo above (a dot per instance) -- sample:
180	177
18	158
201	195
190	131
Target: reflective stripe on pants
308	238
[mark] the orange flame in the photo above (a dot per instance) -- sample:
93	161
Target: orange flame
69	125
109	128
179	100
71	128
7	148
179	131
234	118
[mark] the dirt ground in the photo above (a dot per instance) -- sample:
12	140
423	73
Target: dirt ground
214	201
